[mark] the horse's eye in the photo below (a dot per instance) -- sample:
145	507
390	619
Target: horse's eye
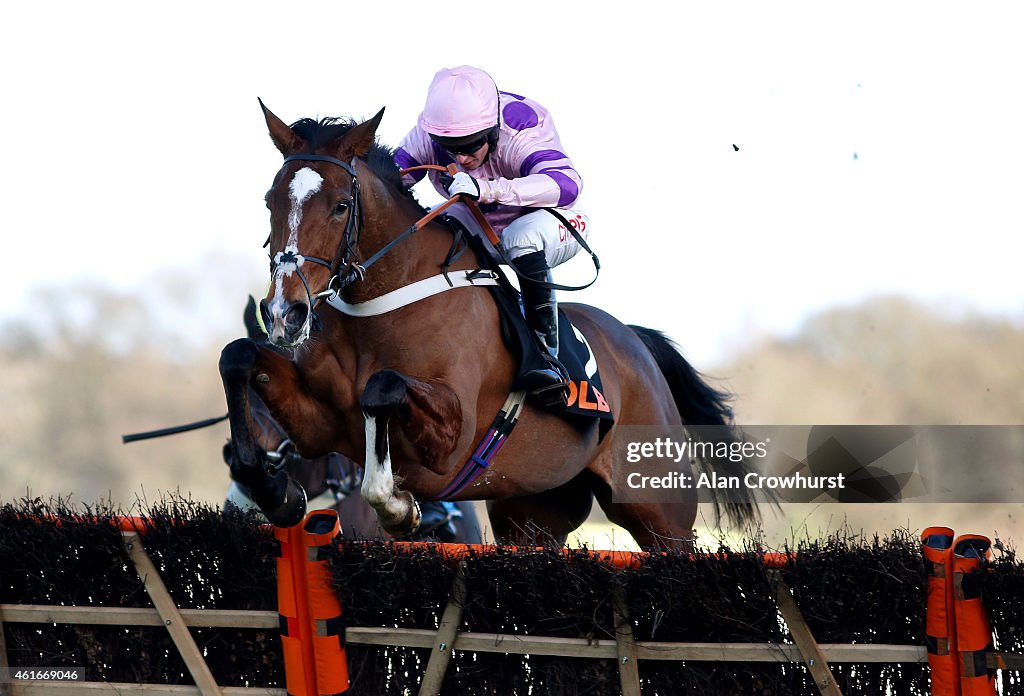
341	208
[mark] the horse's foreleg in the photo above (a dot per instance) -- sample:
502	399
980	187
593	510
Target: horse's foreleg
397	510
430	418
279	497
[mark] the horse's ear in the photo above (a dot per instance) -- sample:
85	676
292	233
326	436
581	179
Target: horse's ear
359	139
252	321
284	137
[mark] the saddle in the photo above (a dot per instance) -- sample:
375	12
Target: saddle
586	394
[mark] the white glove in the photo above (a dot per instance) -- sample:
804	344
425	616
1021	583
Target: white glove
466	185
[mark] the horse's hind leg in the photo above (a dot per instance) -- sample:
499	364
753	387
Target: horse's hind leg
652	525
545	517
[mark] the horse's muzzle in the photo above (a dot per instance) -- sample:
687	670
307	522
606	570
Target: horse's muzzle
287	323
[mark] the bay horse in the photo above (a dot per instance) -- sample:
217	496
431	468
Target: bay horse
409	393
333	477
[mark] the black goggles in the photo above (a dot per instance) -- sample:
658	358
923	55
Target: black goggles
463	148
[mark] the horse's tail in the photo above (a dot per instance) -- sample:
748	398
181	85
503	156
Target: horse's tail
700	404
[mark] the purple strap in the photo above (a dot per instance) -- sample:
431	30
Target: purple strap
486	451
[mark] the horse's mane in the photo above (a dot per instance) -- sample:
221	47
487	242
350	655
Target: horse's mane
380	157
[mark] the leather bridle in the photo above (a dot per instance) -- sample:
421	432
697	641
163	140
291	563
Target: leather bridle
343	257
348	269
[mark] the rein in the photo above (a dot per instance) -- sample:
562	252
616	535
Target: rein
342	259
292	261
478	215
135	437
340	480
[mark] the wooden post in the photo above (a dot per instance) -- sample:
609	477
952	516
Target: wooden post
4	664
446	636
625	647
814	658
170	615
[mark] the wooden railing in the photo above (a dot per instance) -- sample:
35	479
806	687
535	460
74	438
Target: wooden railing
164	613
624	649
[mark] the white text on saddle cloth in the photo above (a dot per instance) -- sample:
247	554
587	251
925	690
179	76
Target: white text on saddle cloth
583	394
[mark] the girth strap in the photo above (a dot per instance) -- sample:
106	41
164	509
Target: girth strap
488	448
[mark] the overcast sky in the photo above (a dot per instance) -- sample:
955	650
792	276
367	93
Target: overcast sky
881	144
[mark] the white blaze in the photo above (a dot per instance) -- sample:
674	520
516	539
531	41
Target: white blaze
303	185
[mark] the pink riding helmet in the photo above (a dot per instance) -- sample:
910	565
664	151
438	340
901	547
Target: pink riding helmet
461	101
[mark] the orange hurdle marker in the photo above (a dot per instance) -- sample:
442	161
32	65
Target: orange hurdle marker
312	631
940	628
973	626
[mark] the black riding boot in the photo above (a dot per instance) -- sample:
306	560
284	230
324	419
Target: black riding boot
550	384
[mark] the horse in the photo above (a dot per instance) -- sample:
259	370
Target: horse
333	476
408	393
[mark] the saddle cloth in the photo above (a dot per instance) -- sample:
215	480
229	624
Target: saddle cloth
586	395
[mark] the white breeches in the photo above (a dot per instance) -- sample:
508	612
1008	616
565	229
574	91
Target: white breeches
536	231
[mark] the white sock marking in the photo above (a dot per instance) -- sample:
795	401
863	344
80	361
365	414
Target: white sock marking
378	487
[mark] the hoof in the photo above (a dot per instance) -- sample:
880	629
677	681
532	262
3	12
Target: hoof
292	509
408	525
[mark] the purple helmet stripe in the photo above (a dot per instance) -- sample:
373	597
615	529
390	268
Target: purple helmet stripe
567	188
539	156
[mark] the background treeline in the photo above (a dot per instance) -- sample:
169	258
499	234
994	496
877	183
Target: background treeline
91	364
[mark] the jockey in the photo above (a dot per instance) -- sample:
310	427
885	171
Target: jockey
512	163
